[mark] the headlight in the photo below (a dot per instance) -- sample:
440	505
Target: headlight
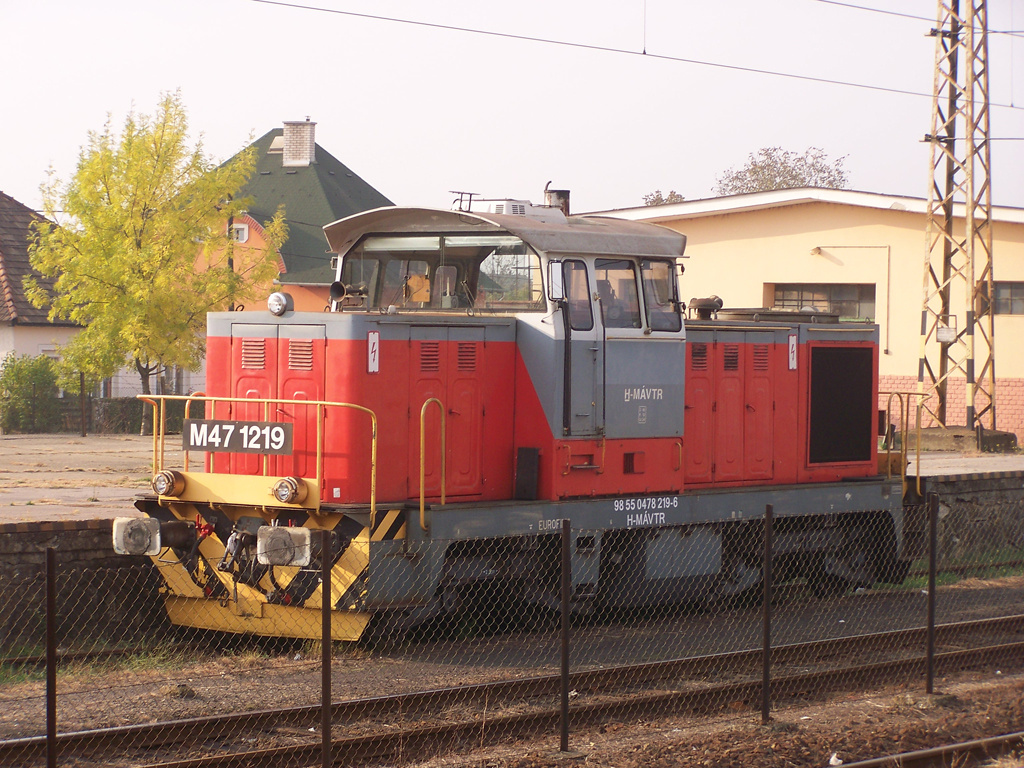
136	536
282	546
278	303
168	483
290	490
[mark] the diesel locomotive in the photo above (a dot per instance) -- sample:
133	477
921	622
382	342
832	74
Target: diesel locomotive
478	378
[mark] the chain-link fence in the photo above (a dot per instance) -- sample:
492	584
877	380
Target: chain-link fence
89	415
462	643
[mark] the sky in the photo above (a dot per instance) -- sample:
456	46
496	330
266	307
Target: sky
610	99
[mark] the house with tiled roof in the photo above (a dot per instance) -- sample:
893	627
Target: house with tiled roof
315	189
24	329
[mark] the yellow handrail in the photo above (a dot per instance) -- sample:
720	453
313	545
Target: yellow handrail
160	429
423	458
904	405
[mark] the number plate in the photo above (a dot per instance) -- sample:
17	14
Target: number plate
237	436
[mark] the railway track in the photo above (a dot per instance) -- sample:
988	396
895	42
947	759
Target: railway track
677	685
964	754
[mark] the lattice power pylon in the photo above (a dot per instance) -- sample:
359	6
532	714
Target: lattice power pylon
957	329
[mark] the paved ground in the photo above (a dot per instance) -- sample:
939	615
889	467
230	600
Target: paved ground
936	463
67	477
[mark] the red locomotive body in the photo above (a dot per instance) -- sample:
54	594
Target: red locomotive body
481	377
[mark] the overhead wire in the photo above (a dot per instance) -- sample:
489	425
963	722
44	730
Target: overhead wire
1010	32
607	49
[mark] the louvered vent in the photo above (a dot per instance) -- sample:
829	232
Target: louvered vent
699	357
467	356
430	356
732	357
300	354
517	209
760	357
499	208
254	353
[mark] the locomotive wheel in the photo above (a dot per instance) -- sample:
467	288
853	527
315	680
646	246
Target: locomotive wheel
850	564
740	583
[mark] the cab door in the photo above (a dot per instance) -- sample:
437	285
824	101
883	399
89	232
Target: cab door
583	355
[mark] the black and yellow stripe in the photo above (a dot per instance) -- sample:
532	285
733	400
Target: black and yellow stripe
389	526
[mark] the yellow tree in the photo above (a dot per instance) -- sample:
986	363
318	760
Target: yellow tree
138	246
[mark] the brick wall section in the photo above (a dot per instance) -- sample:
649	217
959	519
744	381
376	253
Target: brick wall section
79	544
1009	403
103	599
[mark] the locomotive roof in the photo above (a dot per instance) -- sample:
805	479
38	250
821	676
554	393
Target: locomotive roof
583	235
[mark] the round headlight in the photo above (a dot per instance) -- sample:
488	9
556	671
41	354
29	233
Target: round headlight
168	483
290	490
278	303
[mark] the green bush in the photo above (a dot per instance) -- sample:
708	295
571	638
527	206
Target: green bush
28	394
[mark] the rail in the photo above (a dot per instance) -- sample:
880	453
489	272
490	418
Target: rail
423	458
903	400
159	403
618	691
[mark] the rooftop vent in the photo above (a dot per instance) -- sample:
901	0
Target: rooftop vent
518	208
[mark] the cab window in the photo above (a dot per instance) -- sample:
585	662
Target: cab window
660	295
616	287
577	295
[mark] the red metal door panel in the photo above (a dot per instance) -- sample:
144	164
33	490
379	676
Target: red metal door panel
427	381
466	349
758	445
464	436
301	366
729	413
697	434
254	373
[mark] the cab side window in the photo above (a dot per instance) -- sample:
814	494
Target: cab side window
577	294
660	295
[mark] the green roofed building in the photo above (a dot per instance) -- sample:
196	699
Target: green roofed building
315	189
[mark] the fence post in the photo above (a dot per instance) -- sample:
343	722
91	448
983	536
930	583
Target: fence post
766	618
81	399
933	558
326	647
51	657
566	582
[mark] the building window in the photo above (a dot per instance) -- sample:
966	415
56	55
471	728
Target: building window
849	301
1009	298
239	232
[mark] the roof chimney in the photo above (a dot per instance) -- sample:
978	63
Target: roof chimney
557	198
299	143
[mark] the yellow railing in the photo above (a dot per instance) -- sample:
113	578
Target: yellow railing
160	429
423	458
903	400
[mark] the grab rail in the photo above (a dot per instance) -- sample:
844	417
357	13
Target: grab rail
903	399
423	458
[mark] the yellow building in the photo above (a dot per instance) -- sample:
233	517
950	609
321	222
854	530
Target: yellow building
856	253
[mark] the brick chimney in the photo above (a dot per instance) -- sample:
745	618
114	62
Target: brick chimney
299	143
